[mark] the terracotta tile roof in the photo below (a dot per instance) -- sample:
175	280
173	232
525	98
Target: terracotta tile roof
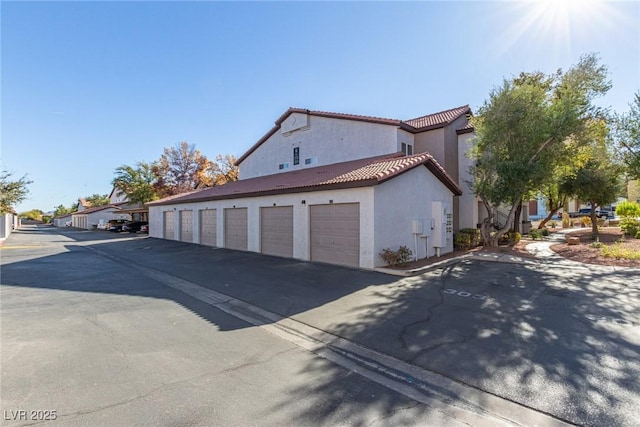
96	209
468	128
352	174
430	121
435	120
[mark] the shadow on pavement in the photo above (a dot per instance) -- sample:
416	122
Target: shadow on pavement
566	343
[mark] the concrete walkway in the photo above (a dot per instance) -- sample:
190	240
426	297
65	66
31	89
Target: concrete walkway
541	249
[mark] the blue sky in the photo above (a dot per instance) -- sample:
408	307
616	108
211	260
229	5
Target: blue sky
89	86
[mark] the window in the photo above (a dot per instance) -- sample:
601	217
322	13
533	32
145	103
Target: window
283	166
296	156
407	149
311	161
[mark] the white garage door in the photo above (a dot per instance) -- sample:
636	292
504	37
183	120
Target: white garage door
335	233
276	231
186	226
208	223
167	225
235	229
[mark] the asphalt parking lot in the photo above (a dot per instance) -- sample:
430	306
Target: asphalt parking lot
564	341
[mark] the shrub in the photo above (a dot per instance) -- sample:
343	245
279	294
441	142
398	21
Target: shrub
544	232
602	222
475	236
619	252
566	220
628	209
536	234
553	224
630	226
638	235
394	258
585	221
510	238
462	241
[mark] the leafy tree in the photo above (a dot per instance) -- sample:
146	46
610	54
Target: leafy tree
137	183
182	168
63	210
521	133
597	182
223	169
98	199
627	135
12	192
33	214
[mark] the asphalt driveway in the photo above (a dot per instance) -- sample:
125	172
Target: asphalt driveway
565	341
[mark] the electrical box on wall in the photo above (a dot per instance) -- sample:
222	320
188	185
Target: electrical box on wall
417	226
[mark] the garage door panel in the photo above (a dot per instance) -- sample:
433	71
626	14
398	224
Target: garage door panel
168	225
235	229
186	226
208	225
335	233
276	231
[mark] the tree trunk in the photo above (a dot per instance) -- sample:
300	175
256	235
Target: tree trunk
487	225
516	217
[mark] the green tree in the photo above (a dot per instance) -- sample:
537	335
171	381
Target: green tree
136	182
63	210
98	199
627	136
597	182
12	192
180	169
522	133
33	214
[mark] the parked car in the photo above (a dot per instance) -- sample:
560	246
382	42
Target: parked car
600	213
133	226
115	225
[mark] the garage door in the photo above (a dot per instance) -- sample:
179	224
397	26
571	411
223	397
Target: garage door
167	225
235	229
276	231
186	226
208	223
335	233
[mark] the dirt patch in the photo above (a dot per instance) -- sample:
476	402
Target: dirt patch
590	255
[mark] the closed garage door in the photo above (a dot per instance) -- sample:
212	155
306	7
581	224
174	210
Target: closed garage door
208	223
276	231
167	225
335	233
235	229
186	226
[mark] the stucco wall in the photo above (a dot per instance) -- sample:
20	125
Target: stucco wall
6	225
400	201
326	139
467	205
431	141
301	244
95	217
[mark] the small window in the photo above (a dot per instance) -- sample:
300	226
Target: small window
296	156
407	149
283	166
311	161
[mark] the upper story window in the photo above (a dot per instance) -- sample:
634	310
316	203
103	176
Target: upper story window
283	166
296	156
311	161
407	149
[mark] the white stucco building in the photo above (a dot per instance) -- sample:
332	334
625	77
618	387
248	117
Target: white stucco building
336	188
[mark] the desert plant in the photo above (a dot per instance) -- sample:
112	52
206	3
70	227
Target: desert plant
553	224
630	226
544	232
536	234
397	258
585	221
619	252
566	220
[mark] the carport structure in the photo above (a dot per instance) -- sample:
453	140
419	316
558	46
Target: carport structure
343	213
